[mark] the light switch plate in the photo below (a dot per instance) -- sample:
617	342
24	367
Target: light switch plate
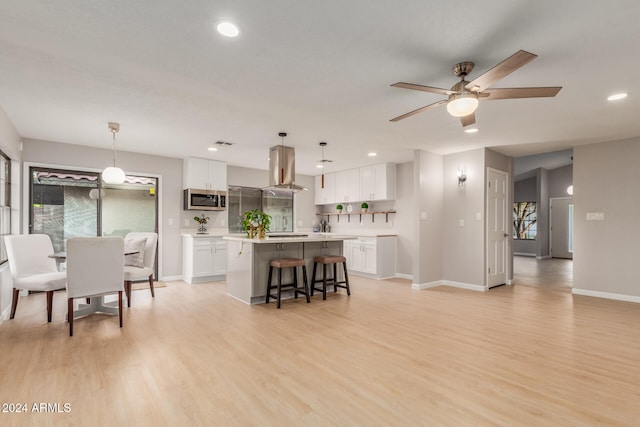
461	223
423	216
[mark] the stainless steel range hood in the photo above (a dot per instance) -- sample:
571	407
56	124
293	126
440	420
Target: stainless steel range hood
282	169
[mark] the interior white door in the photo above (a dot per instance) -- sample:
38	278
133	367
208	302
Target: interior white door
560	227
498	227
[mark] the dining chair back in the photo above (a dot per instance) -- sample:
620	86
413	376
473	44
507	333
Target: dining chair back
146	268
32	269
95	267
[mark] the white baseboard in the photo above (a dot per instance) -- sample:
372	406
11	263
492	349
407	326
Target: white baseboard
544	257
607	295
524	254
461	285
404	276
5	314
170	278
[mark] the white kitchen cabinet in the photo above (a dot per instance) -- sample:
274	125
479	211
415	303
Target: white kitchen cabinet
204	259
371	256
326	195
347	185
205	174
378	182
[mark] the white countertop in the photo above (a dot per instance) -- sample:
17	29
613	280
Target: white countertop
310	237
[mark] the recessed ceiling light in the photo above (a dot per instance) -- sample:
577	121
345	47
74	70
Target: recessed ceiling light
212	149
320	166
472	130
227	29
617	96
372	154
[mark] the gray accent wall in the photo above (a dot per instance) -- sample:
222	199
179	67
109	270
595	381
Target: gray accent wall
606	180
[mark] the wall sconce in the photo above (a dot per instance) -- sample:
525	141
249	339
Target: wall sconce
461	177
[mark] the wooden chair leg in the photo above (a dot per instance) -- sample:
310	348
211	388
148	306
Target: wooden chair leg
120	306
127	290
49	305
70	315
14	302
153	295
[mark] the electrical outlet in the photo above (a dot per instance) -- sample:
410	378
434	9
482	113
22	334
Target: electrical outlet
478	216
170	221
423	216
186	222
461	223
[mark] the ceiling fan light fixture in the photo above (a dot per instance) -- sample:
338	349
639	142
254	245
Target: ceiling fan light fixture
617	96
462	104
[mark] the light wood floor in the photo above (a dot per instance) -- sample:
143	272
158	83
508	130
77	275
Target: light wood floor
388	355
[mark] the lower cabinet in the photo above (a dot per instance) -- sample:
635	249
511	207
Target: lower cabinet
265	252
371	256
204	259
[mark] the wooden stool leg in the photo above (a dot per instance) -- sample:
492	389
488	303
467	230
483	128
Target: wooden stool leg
305	283
269	284
279	286
313	277
324	281
335	277
70	315
295	282
346	278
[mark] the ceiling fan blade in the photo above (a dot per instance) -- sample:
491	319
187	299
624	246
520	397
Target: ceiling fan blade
522	92
419	110
468	120
423	88
501	70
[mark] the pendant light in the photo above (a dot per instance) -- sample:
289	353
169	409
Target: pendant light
113	174
322	145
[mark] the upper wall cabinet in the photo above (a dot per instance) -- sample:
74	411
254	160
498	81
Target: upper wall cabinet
378	182
348	186
327	194
205	174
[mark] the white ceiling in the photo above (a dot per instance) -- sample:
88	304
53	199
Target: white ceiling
318	70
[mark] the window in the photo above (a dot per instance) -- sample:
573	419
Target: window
525	216
5	202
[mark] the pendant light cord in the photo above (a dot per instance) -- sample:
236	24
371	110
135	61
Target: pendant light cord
113	146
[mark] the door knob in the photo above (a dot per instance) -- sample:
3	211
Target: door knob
506	235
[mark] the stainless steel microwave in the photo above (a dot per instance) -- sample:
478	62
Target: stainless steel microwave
205	200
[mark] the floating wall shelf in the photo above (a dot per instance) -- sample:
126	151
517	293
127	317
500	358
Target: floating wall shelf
338	215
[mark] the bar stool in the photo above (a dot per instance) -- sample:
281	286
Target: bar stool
329	281
287	263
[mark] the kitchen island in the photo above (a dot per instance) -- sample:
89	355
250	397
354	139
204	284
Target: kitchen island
248	260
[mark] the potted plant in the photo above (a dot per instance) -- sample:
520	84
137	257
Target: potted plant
256	221
202	223
364	206
339	208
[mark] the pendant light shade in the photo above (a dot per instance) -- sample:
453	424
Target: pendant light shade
113	174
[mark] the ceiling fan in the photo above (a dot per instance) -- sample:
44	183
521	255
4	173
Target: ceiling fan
464	95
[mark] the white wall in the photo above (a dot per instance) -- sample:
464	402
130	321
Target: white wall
606	179
10	145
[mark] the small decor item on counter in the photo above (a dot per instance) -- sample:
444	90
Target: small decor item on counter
364	206
339	208
349	208
255	222
202	223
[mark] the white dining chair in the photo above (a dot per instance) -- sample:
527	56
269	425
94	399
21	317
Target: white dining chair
95	267
141	265
32	269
